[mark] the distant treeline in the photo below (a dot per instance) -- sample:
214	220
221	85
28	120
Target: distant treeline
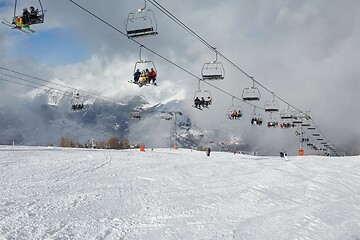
112	143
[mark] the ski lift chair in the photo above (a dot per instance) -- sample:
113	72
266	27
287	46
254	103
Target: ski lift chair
213	70
297	119
141	23
251	94
135	115
256	118
272	123
142	65
167	116
77	107
287	114
271	106
305	122
234	112
77	102
286	123
33	19
204	97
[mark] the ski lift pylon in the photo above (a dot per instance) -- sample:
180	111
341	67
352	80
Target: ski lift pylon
141	23
213	70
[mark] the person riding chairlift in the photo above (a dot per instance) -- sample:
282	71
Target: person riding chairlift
25	17
137	75
197	102
33	15
234	115
152	76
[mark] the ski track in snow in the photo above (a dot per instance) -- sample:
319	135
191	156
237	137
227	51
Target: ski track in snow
58	193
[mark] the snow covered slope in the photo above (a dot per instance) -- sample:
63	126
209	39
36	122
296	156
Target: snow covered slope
53	193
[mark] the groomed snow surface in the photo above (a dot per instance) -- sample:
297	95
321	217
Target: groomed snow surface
58	193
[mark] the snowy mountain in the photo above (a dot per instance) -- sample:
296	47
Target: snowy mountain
60	193
46	115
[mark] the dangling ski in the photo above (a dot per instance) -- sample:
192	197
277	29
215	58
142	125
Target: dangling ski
18	26
140	84
198	108
21	25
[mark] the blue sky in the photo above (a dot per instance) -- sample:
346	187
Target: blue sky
53	48
2	4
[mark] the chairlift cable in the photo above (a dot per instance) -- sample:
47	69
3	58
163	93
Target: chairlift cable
96	96
178	66
184	26
60	85
155	53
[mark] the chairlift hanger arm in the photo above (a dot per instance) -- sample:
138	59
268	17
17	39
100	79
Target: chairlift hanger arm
216	54
15	8
142	9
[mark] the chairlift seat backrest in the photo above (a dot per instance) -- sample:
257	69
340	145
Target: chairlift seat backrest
251	94
287	114
271	106
213	71
141	24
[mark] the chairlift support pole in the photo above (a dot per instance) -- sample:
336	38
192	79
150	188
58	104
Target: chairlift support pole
301	150
175	113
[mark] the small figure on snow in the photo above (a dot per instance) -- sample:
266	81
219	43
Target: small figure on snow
208	152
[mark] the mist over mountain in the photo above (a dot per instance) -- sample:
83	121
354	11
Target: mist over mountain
45	115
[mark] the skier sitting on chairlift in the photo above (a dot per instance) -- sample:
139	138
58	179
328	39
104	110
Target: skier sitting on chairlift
256	121
234	115
25	16
202	102
137	75
208	102
197	102
144	77
152	76
33	16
